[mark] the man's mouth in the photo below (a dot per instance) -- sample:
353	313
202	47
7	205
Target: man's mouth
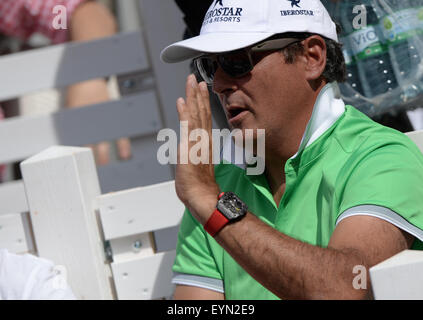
235	114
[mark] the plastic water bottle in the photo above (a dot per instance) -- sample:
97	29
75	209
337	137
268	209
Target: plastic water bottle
351	90
398	21
353	78
352	73
417	5
366	41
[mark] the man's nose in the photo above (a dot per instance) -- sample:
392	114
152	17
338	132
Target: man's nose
223	83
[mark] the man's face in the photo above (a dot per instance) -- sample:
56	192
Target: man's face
270	97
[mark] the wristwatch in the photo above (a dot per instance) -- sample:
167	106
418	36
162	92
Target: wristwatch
229	208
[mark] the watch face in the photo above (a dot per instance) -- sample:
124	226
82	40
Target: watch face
231	206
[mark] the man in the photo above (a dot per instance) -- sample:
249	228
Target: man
338	191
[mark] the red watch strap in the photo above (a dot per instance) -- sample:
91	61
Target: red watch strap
216	222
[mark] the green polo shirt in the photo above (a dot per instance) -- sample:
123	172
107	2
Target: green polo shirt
355	167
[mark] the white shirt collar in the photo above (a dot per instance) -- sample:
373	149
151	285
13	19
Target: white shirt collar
328	108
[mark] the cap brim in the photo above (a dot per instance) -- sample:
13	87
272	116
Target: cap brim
210	43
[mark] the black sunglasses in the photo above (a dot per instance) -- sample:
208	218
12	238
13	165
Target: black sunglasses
237	63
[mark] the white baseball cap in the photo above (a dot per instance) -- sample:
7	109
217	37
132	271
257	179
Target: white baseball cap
235	24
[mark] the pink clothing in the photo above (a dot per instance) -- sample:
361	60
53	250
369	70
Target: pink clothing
22	18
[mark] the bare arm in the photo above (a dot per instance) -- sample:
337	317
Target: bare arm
91	20
292	269
295	270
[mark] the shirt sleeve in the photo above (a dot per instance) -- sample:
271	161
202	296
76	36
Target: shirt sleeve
22	18
194	253
197	281
390	176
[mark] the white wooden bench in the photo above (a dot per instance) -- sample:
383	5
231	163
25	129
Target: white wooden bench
148	91
139	111
72	221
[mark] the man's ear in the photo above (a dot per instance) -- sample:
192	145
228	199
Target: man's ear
314	57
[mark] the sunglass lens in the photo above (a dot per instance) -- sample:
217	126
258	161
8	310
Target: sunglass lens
236	64
207	68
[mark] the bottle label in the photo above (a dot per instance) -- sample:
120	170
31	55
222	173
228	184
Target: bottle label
365	43
401	25
348	56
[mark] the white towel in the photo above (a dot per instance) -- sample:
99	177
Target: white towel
27	277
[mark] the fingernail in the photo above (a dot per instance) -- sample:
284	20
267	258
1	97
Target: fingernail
203	86
193	81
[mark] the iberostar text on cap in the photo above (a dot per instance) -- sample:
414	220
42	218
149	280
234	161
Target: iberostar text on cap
234	24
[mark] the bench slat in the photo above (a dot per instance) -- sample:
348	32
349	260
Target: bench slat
13	198
61	185
65	64
417	137
12	233
144	278
140	210
27	136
